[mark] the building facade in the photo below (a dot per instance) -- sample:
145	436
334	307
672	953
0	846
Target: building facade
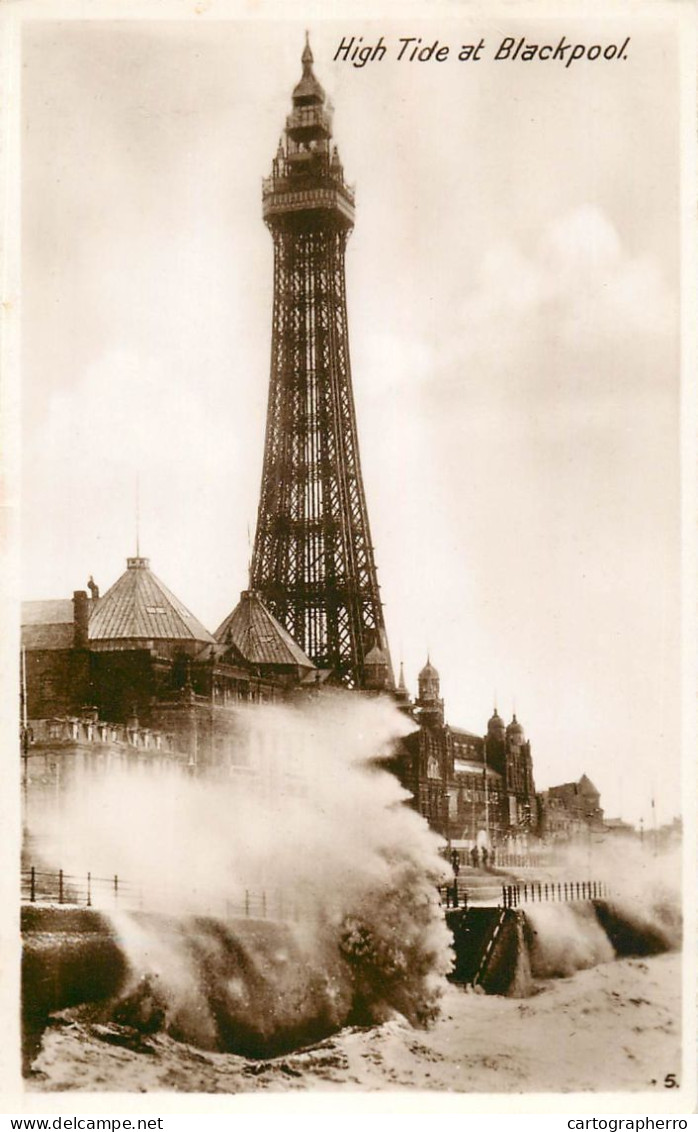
472	789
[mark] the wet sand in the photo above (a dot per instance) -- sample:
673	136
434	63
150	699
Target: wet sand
614	1027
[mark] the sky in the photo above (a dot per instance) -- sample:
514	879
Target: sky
513	294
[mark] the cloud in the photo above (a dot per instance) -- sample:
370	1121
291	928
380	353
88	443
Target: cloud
544	490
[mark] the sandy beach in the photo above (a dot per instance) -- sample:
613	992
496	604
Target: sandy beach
613	1027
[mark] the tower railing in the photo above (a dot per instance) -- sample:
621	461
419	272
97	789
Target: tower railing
282	194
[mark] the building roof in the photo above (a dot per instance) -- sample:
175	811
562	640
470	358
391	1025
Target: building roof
256	634
515	727
47	612
495	723
428	672
140	607
48	624
584	786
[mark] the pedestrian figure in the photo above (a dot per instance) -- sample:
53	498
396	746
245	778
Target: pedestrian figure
492	856
474	856
484	856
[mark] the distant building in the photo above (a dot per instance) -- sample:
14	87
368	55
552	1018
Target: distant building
570	811
470	788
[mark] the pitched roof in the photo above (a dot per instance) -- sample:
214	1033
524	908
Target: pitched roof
47	612
256	634
140	607
48	624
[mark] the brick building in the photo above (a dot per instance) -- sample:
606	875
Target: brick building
571	811
469	787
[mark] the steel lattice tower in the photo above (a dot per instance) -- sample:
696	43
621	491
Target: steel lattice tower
313	558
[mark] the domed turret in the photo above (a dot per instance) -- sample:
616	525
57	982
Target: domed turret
429	682
515	730
429	702
495	726
376	670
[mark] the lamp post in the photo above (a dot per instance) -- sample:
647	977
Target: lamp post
447	822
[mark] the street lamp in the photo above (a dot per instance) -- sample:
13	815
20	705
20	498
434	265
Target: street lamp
447	799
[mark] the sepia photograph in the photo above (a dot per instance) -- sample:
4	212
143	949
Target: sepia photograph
349	718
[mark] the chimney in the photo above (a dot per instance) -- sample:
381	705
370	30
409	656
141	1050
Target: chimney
81	617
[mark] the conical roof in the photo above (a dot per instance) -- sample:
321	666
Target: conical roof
376	656
259	638
140	607
308	89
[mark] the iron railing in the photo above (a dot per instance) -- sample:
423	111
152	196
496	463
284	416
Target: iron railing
87	891
537	892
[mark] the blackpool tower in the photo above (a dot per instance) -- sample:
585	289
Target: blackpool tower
313	559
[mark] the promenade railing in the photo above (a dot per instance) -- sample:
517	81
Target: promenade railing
535	892
108	893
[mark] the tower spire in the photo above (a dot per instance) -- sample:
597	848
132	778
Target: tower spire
307	56
313	554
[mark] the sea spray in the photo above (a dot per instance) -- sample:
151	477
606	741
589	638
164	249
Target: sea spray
275	896
640	913
643	886
564	938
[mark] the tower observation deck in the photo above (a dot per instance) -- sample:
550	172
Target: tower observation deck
313	558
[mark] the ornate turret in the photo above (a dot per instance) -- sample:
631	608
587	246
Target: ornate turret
377	670
429	682
430	704
515	731
495	726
